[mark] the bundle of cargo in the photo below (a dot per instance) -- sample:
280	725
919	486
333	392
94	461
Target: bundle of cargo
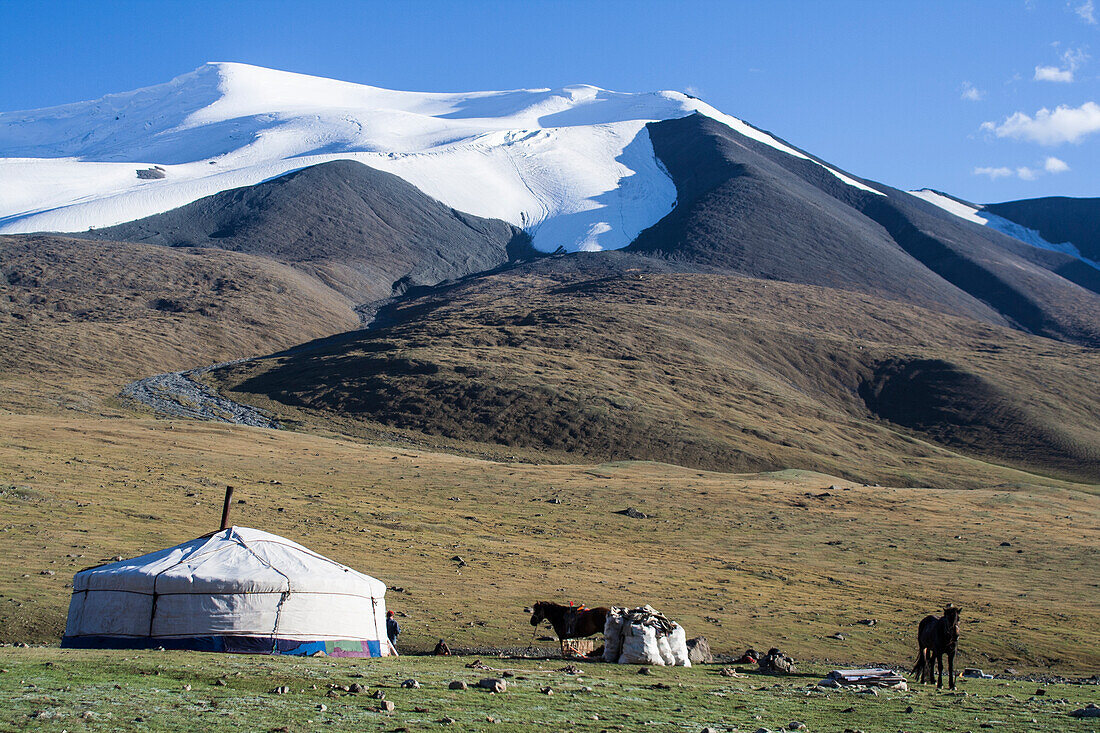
644	635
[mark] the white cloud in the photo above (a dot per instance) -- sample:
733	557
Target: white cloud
1072	60
971	93
1051	165
1054	165
1062	125
1053	73
993	173
1087	11
692	90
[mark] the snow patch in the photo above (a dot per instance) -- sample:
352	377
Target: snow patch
999	223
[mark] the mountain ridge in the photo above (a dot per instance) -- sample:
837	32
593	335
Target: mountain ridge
368	233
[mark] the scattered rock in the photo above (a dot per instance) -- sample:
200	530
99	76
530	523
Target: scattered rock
420	710
796	725
378	695
547	691
977	674
1040	691
447	721
570	669
386	706
281	690
1006	544
411	685
356	688
555	500
187	688
728	672
708	729
699	650
909	709
632	513
867	621
838	636
322	707
644	670
458	685
493	684
829	682
220	682
151	174
776	662
1092	710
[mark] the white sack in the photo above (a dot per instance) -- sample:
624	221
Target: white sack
613	635
678	644
665	651
640	646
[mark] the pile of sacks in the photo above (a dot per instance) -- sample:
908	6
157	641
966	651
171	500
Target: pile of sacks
644	636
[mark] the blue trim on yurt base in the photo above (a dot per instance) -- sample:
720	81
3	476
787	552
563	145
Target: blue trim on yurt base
233	644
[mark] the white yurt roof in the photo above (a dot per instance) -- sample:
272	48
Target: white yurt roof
234	560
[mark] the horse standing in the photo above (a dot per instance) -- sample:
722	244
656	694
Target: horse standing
570	622
937	636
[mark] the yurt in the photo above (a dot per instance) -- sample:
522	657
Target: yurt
235	590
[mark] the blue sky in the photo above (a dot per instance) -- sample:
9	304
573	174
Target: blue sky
948	95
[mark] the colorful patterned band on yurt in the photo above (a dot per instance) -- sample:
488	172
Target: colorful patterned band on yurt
231	644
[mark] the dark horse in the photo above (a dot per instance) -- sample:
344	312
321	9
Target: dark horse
570	622
937	636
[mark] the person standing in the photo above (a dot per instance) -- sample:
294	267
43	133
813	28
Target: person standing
392	629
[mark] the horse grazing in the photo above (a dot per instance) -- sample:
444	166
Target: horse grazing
570	622
937	636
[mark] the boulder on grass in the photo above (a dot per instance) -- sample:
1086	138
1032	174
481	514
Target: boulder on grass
699	651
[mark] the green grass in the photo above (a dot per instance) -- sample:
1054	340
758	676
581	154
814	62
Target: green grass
54	690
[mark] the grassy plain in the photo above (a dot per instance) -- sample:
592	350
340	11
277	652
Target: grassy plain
55	690
782	559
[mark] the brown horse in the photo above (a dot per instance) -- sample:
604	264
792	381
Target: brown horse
570	622
937	636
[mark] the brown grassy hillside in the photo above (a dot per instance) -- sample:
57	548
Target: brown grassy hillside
717	372
80	319
783	559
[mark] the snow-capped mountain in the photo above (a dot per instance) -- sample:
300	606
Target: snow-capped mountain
572	166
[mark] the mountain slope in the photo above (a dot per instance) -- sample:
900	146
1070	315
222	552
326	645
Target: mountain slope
719	372
1058	219
80	319
367	233
750	209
